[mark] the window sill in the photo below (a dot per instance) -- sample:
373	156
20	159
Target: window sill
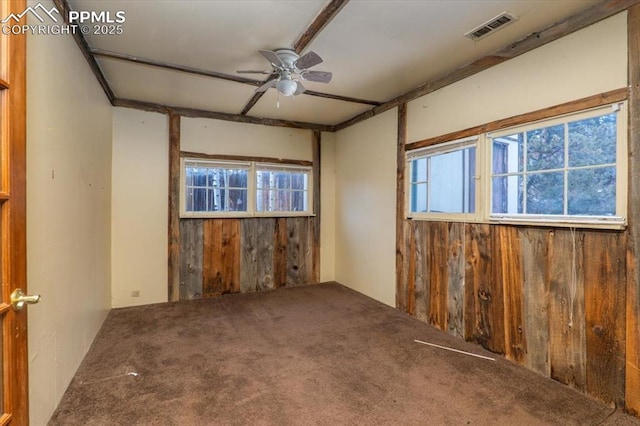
613	223
239	215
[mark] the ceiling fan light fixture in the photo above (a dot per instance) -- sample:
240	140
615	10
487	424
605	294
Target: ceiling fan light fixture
287	87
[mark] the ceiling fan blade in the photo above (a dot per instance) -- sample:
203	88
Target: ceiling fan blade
307	60
300	89
319	76
272	57
268	85
254	72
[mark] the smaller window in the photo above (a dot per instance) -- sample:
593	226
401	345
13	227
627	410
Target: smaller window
215	187
442	181
282	188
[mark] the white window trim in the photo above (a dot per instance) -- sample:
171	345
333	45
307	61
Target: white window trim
443	149
619	221
483	143
252	167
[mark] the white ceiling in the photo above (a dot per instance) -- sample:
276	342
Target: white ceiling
376	49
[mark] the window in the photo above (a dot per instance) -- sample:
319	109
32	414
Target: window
566	169
244	188
282	189
443	180
215	187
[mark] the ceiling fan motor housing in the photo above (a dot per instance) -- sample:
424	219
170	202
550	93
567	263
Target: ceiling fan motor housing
288	58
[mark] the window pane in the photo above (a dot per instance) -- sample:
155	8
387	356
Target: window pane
419	170
419	198
592	191
545	193
282	191
449	185
545	148
507	194
508	154
199	200
593	141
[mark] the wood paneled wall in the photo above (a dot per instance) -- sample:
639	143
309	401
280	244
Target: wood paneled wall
552	300
220	256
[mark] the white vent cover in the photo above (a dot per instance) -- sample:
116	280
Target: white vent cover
493	24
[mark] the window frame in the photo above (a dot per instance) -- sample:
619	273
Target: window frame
484	173
252	166
439	149
618	221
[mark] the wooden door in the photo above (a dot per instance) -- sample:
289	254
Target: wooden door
13	253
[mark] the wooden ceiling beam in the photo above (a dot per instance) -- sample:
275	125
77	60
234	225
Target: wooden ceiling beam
319	22
63	8
198	113
567	26
175	67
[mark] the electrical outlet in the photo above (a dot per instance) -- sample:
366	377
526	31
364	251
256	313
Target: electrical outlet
135	293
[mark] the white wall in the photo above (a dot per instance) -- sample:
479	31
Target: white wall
139	215
584	63
225	137
366	206
328	207
68	217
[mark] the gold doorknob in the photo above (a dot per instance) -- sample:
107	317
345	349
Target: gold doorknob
19	299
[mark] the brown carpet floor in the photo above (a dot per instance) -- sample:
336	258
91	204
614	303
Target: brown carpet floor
315	355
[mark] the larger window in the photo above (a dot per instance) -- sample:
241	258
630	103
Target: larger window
244	188
569	170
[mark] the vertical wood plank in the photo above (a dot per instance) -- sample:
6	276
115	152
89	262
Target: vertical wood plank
632	369
411	257
455	291
191	251
231	255
567	338
438	274
605	296
536	300
297	250
221	257
280	253
421	283
401	298
265	243
249	255
174	208
316	221
212	258
507	274
478	319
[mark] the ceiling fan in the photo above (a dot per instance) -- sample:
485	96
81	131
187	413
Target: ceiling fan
288	69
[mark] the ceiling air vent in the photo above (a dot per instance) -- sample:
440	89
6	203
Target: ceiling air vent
493	24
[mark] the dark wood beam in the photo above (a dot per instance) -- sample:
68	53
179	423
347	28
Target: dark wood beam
198	113
319	22
214	74
632	369
63	8
567	26
341	98
316	139
227	157
175	67
174	208
402	298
